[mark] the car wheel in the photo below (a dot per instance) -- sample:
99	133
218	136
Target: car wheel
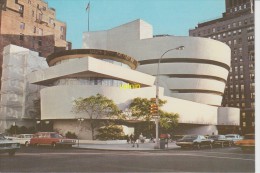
11	153
26	144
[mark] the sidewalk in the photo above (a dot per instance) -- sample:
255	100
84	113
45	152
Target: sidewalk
124	147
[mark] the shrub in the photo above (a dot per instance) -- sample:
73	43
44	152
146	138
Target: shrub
110	132
71	135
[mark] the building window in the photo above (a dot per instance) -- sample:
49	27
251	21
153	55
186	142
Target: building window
213	29
34	29
252	95
61	36
61	28
244	6
40	31
243	115
235	41
234	24
241	77
229	42
228	26
253	123
245	21
51	21
22	25
32	13
239	23
21	37
241	68
218	36
20	8
229	33
224	35
244	124
243	105
40	17
252	104
40	42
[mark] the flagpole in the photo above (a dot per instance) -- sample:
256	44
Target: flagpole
88	15
88	9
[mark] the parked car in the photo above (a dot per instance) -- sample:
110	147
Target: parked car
220	140
247	143
194	141
233	137
8	146
23	139
53	139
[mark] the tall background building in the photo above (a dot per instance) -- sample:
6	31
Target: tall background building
236	29
30	24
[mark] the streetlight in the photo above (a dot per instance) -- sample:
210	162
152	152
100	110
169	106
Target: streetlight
157	92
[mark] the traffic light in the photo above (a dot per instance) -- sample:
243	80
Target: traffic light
154	108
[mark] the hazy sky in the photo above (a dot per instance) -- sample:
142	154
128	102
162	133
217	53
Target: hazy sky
174	17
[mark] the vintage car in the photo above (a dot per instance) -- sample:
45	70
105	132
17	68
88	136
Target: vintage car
220	140
247	143
23	139
233	137
8	146
53	139
194	141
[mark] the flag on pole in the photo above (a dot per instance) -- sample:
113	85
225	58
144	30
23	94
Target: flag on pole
88	7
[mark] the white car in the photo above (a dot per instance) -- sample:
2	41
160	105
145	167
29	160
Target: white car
8	146
233	137
23	139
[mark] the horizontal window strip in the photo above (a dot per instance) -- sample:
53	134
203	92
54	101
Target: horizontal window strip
196	91
184	60
195	76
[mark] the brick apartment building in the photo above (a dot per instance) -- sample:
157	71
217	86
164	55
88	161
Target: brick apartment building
236	29
33	25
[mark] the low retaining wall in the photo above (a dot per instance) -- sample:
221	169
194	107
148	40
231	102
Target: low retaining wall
102	142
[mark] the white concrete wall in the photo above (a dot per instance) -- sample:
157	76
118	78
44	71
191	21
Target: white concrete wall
89	67
57	102
152	48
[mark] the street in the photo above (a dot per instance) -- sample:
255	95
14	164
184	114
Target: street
81	160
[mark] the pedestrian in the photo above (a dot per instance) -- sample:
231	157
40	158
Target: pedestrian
141	138
132	139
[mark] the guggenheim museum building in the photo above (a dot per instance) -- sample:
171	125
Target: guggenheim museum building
192	80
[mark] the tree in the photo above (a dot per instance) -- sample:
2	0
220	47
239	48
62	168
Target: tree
96	107
140	108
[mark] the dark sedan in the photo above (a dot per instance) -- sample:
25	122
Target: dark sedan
194	141
220	140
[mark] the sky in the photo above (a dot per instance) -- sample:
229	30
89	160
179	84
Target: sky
174	17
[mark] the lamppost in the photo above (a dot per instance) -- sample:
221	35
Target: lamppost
157	93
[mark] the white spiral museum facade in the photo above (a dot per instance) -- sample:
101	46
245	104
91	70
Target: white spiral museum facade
198	73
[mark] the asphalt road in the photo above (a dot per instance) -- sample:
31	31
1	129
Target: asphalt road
81	160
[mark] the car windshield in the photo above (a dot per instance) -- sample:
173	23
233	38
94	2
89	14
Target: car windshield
213	137
56	135
249	137
190	137
230	136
